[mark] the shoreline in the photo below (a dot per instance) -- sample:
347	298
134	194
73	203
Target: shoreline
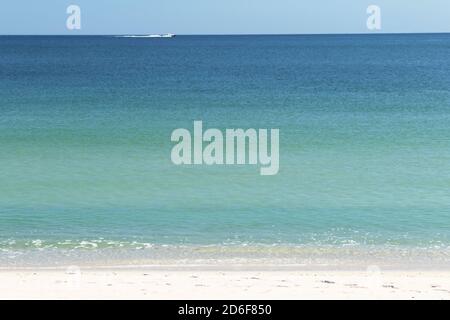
228	273
232	267
225	283
303	257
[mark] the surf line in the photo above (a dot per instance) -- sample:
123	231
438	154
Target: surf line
234	147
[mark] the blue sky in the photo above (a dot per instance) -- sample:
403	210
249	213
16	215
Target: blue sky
222	16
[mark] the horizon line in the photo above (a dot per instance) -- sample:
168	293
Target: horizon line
236	34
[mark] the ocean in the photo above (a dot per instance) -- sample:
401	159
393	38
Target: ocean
86	174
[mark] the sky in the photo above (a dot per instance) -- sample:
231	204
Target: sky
223	16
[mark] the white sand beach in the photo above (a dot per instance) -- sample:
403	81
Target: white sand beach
148	283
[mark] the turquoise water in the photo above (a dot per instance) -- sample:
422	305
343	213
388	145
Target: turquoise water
85	129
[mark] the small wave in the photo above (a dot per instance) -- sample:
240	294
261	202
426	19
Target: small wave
114	252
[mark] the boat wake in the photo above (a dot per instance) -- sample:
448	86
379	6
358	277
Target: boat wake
167	35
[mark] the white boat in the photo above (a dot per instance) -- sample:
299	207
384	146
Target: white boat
165	35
